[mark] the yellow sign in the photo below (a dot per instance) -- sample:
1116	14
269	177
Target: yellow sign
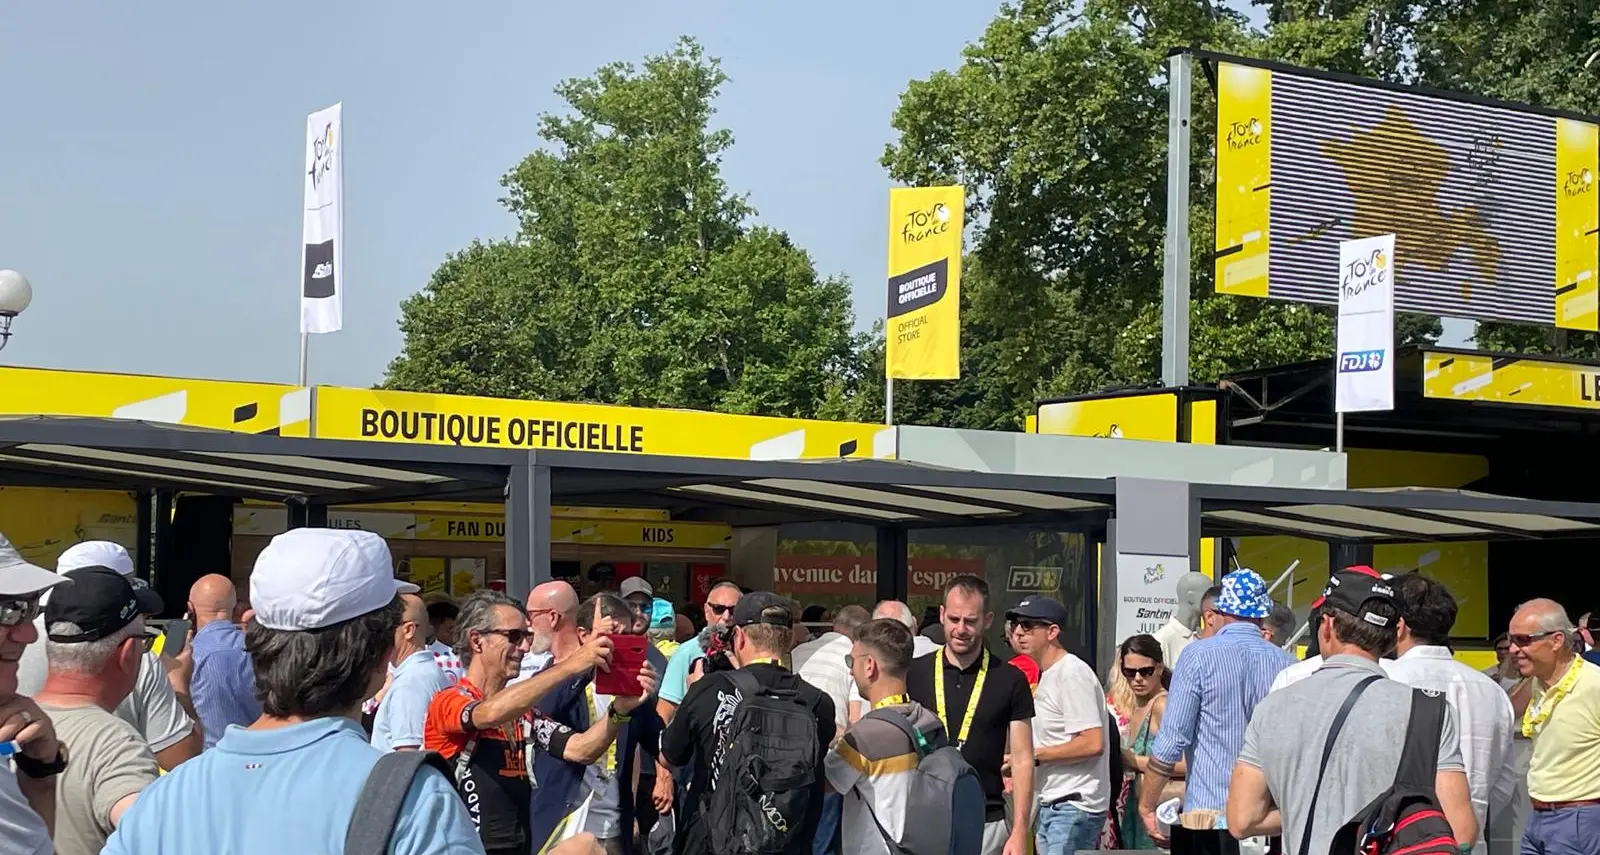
222	405
1151	417
666	535
497	423
1577	281
924	315
43	522
1510	380
1244	178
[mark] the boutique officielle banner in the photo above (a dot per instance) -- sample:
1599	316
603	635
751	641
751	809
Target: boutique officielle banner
924	315
1366	325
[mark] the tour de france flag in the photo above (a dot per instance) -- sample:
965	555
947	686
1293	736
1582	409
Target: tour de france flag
924	317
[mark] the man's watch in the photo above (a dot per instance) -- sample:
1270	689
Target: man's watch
42	768
618	717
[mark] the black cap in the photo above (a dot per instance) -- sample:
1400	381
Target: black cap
1351	591
1039	608
763	607
100	601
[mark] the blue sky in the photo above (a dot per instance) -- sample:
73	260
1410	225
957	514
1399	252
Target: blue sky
151	178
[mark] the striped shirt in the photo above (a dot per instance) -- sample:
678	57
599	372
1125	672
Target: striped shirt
1215	688
873	765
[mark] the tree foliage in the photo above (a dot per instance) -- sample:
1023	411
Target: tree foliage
635	276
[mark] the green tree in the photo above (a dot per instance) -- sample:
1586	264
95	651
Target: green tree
635	275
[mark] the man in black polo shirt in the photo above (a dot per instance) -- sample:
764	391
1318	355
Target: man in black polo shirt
1002	714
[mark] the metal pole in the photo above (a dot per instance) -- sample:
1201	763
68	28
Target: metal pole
1175	261
888	401
305	342
1338	432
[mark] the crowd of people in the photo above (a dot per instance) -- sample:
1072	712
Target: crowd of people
337	710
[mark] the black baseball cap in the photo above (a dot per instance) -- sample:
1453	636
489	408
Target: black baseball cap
100	601
1039	608
753	608
1352	591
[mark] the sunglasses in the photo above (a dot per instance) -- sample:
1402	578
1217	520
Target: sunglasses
19	611
1521	640
850	660
719	611
1147	671
515	636
1030	625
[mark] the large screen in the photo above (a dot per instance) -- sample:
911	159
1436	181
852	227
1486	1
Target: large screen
1493	207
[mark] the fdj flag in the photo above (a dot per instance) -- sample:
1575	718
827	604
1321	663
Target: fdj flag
924	318
322	254
1364	367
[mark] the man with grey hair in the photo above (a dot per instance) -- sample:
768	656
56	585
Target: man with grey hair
920	646
95	628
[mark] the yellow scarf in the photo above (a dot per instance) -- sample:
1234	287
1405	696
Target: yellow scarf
1538	713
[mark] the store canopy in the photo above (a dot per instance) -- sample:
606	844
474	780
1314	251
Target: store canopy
121	455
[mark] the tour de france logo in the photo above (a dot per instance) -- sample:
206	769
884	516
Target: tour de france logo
1578	182
924	223
1365	272
1242	135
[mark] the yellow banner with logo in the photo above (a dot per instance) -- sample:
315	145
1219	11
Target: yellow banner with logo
1577	221
265	408
1509	379
923	323
1244	178
369	414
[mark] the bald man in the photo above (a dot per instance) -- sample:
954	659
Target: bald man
223	686
414	678
553	620
920	646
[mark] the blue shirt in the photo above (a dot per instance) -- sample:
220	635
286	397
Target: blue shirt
1215	687
399	719
293	789
223	687
1592	656
675	683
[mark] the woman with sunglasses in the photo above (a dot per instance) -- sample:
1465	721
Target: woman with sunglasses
1142	701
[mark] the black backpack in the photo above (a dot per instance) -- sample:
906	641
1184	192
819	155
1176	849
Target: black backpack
1407	817
766	781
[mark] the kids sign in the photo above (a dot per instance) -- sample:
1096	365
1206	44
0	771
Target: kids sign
1364	370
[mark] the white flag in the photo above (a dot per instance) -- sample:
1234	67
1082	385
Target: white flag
322	256
1365	373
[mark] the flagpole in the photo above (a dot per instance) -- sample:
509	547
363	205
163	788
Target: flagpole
888	400
305	347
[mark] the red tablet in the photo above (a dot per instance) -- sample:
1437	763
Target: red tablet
627	660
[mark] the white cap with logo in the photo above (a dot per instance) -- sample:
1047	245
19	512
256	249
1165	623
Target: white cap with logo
95	553
310	578
19	578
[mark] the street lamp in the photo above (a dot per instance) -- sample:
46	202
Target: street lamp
15	295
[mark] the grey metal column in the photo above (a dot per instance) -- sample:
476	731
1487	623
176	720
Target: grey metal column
527	527
894	569
1154	520
1175	259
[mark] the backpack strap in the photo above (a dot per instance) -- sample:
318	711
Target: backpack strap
378	807
1419	760
919	741
1327	752
745	682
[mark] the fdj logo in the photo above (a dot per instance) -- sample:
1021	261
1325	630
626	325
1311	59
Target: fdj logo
1039	580
1360	360
1363	273
322	151
1578	183
1244	134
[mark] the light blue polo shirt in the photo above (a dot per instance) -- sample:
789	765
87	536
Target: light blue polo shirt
404	708
675	684
270	792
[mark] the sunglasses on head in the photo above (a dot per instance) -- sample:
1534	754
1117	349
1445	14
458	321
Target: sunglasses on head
1147	671
719	610
515	636
18	611
1518	639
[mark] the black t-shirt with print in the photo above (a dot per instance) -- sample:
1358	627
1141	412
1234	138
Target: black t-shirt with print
700	727
1006	698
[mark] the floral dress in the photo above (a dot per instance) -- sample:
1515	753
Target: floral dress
1133	833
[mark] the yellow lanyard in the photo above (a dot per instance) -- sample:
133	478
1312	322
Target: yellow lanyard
890	701
769	660
972	701
610	767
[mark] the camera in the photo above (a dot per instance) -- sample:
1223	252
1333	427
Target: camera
715	642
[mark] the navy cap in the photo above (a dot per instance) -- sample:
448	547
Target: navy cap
1042	608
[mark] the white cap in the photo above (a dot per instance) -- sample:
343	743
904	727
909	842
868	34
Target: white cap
19	578
95	553
310	578
637	585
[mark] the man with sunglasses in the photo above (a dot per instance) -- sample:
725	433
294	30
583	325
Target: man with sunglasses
27	794
720	601
1072	783
1563	720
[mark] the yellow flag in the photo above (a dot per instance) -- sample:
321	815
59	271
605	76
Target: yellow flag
924	317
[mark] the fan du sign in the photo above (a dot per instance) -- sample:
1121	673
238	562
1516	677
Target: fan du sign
1147	591
1364	371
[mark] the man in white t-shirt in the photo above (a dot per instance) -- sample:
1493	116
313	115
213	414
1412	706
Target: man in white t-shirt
1069	733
